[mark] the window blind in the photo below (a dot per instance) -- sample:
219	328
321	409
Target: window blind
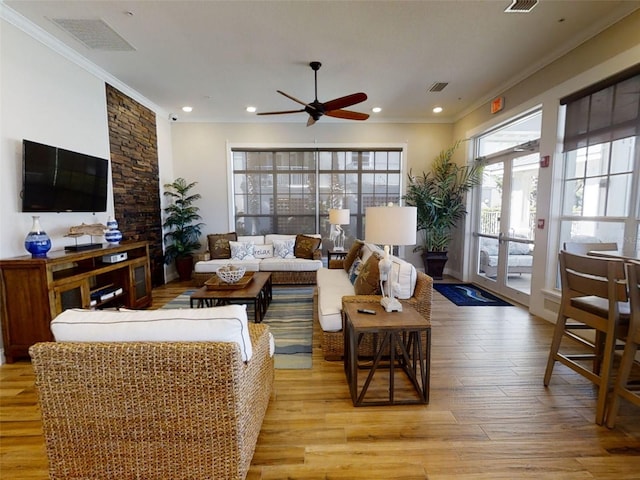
605	112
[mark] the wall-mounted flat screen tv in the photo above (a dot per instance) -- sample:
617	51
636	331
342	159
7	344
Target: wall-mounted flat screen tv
58	180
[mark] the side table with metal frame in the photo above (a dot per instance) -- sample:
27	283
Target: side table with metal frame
403	342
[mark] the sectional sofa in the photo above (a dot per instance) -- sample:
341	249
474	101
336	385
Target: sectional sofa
354	279
291	259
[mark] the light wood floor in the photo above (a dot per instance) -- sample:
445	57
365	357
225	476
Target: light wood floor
489	416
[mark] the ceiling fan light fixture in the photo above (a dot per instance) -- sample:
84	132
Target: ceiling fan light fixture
187	109
376	109
332	108
251	109
437	109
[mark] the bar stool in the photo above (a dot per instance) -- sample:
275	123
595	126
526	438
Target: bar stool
594	296
622	388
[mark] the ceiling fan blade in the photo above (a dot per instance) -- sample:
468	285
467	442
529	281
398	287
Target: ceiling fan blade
293	98
346	101
348	114
281	112
310	121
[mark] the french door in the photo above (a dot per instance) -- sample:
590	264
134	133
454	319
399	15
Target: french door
505	225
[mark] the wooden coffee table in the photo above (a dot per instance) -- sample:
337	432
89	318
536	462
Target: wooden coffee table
403	342
258	290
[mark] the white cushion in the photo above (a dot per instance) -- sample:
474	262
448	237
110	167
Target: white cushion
242	250
255	239
218	324
333	284
277	264
284	248
367	250
269	238
211	266
263	251
403	277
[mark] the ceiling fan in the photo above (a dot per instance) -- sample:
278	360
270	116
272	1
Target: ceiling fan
332	108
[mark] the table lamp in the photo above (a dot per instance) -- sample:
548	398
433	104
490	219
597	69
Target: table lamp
390	226
337	217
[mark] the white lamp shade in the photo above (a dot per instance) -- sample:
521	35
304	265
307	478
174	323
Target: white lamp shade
391	225
339	216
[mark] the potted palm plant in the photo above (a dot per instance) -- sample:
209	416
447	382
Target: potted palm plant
182	231
439	196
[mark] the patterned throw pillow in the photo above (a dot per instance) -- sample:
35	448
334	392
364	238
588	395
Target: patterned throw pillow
242	250
284	248
305	246
368	281
219	244
263	251
354	253
355	270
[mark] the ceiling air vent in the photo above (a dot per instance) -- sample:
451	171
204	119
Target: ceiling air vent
438	86
94	34
521	6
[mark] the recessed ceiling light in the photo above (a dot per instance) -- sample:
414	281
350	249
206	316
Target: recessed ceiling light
437	109
187	109
251	109
376	109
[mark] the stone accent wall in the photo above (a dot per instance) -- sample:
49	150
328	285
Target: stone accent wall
134	170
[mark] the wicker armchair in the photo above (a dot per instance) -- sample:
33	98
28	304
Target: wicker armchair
333	342
163	410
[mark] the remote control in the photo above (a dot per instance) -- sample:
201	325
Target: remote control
367	311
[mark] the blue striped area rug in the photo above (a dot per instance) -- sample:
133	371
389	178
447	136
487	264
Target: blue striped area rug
290	319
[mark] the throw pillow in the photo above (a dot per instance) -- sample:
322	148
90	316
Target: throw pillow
219	244
284	248
305	246
368	281
263	251
354	252
242	250
355	270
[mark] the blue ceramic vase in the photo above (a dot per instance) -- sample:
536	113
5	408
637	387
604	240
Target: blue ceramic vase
113	235
37	241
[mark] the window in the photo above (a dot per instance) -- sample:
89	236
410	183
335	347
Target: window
602	163
291	191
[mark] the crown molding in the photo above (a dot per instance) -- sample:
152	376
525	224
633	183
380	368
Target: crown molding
37	33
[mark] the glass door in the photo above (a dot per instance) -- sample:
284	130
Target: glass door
506	223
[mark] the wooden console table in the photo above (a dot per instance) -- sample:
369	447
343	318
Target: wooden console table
404	343
33	291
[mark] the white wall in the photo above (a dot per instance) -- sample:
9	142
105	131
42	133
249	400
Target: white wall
50	99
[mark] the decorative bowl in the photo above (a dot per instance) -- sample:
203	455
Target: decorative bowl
230	273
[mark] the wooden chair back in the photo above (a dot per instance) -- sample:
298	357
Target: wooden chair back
593	292
581	248
584	276
633	278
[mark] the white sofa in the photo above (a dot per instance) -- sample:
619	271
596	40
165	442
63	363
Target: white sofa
520	258
185	390
334	286
265	253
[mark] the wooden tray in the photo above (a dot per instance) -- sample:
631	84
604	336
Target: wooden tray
215	283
